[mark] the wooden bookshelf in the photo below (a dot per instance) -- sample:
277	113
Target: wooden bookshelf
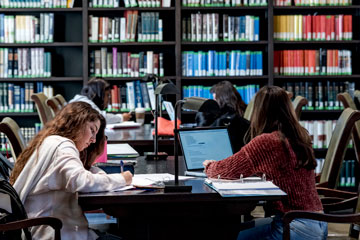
71	47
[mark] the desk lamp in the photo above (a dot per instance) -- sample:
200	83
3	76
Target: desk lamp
196	104
161	89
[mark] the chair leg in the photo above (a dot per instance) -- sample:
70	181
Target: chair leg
354	230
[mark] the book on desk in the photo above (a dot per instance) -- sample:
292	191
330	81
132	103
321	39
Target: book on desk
253	186
117	153
121	151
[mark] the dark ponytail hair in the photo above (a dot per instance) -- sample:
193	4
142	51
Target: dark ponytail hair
95	91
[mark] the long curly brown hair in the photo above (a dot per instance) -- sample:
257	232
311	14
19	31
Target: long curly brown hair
68	123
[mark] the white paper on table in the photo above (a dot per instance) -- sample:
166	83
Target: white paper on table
120	189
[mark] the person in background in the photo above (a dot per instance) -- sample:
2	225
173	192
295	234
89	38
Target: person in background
97	94
280	148
232	109
57	164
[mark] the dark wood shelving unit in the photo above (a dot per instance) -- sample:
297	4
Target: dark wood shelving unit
164	43
71	47
131	9
228	43
16	10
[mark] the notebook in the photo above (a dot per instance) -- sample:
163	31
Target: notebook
200	144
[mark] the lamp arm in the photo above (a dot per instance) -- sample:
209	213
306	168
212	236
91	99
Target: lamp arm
176	154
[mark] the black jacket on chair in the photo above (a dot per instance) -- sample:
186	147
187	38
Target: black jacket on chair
237	125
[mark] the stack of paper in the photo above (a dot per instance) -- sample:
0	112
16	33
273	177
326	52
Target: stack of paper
236	188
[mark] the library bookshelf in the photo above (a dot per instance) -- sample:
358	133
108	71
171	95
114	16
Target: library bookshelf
74	45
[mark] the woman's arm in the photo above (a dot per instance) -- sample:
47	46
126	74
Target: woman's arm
69	173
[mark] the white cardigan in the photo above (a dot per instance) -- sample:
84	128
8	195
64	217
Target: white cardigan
48	186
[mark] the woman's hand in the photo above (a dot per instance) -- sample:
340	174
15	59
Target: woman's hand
127	176
207	162
126	116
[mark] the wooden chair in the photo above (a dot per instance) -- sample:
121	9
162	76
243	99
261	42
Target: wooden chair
298	103
54	104
61	100
345	218
18	213
348	102
12	131
337	148
249	109
44	111
357	99
55	223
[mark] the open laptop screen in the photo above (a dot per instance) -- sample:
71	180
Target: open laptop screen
200	144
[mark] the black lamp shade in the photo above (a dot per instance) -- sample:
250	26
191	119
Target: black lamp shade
166	88
201	105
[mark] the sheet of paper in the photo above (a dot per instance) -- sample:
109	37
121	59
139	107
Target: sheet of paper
121	149
161	176
243	186
120	189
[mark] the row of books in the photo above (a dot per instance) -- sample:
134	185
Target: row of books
313	62
27	28
105	29
320	131
129	3
246	92
36	3
223	3
228	63
347	173
321	95
17	98
131	95
205	27
316	27
104	63
27	132
24	63
312	2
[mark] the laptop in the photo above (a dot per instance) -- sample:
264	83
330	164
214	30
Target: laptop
200	144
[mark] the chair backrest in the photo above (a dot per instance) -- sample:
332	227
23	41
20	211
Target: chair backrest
337	147
61	100
290	94
298	104
357	99
44	111
346	100
12	131
249	109
54	105
14	220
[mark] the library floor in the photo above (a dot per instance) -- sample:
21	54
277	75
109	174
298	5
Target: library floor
335	231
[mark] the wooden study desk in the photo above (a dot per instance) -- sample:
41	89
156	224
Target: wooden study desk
141	139
201	214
